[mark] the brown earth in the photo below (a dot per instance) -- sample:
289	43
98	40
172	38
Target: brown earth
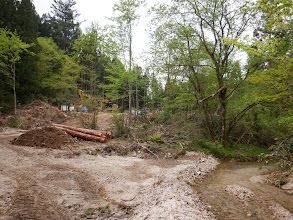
37	114
73	183
47	137
50	175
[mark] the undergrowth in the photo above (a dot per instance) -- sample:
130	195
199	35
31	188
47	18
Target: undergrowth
236	151
171	130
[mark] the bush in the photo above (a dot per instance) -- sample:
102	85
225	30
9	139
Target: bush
89	121
121	128
282	154
162	118
15	122
156	138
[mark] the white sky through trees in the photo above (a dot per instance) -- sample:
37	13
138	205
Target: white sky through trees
97	11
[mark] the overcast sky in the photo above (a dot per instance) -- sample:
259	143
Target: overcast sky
97	11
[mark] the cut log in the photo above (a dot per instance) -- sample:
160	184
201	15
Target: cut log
88	131
88	137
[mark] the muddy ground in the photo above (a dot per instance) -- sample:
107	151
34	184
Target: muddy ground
92	180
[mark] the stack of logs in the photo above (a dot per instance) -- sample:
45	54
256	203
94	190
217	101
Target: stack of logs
87	134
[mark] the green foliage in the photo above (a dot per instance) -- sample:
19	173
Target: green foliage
58	72
156	138
20	16
92	105
105	210
64	27
11	48
88	213
281	154
93	50
27	19
163	117
240	151
203	67
13	122
121	126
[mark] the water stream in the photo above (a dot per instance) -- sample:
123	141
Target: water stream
244	174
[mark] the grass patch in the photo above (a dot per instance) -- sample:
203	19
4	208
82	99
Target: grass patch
239	152
87	213
155	138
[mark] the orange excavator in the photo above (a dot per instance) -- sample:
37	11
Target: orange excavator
103	104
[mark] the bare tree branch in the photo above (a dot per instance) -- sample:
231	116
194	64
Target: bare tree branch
212	95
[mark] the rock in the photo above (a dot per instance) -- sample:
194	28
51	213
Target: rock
240	192
288	186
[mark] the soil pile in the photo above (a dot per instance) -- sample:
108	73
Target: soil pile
47	137
40	114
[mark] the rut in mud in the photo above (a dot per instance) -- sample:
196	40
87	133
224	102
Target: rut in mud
44	190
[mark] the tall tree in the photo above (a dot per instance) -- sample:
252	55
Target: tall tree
196	33
125	21
27	21
64	26
11	47
58	73
8	14
93	50
20	16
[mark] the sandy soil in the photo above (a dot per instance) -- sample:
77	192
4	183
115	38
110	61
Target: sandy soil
69	183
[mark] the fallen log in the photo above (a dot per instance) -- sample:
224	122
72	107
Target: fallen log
88	131
87	137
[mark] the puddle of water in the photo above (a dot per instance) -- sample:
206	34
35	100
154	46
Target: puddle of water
244	174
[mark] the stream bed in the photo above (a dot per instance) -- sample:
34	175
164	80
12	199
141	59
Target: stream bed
254	202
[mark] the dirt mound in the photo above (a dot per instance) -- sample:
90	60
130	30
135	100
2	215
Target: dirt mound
40	114
47	137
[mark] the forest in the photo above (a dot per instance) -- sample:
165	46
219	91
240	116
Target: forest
223	66
197	126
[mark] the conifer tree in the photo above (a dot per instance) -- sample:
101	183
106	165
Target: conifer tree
64	27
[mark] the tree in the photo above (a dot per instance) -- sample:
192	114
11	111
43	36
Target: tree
64	27
88	52
27	21
195	32
125	21
272	43
58	72
8	14
118	78
93	50
11	47
20	16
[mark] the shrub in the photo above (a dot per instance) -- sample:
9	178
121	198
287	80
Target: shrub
121	128
15	122
156	138
89	121
282	153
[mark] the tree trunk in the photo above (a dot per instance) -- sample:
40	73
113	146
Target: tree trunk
14	87
137	101
130	65
223	115
208	119
129	97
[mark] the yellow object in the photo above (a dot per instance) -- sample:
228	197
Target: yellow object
83	95
104	104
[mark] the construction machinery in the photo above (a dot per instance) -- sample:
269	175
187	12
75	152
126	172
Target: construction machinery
103	104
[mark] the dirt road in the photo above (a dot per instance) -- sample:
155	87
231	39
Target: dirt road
62	184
